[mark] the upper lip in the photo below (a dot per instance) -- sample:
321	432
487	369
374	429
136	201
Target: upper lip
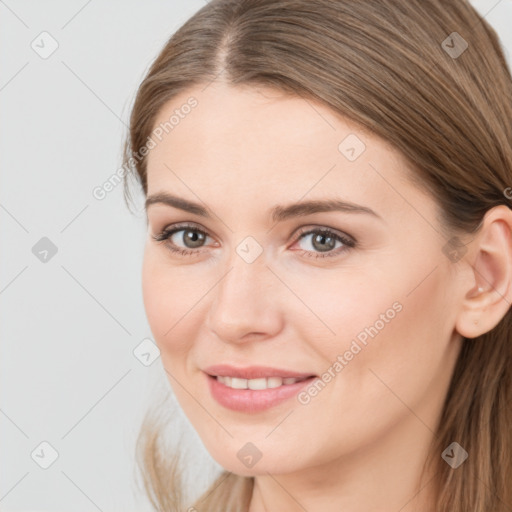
253	372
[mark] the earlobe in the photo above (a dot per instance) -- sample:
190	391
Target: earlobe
487	293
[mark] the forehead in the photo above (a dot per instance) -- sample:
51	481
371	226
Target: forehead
247	142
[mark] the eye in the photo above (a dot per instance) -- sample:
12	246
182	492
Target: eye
323	240
192	238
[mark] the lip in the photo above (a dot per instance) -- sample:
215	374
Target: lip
251	400
252	372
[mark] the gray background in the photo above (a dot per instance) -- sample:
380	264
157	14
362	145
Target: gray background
70	324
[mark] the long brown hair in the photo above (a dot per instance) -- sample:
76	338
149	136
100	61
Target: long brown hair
430	78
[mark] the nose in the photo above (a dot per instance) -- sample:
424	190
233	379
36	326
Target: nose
246	305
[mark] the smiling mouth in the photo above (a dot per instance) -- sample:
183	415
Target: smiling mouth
254	389
258	384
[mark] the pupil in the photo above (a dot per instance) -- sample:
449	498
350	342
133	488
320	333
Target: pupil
194	238
323	246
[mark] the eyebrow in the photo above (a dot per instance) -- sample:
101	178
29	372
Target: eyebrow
278	213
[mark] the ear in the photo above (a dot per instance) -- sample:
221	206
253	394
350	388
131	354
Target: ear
488	289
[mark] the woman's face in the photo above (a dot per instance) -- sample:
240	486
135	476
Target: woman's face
263	293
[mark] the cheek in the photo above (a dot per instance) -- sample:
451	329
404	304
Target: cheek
395	323
153	293
401	360
405	332
341	308
167	301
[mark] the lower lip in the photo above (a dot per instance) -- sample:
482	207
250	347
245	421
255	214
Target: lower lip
251	400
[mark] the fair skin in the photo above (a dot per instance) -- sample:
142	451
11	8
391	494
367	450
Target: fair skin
360	443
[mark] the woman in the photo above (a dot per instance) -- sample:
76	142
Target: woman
328	266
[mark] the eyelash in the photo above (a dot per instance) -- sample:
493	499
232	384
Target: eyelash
165	234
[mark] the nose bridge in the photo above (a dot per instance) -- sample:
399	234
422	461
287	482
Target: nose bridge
247	272
244	301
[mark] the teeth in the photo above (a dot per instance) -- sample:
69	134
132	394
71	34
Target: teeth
274	382
238	383
256	384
